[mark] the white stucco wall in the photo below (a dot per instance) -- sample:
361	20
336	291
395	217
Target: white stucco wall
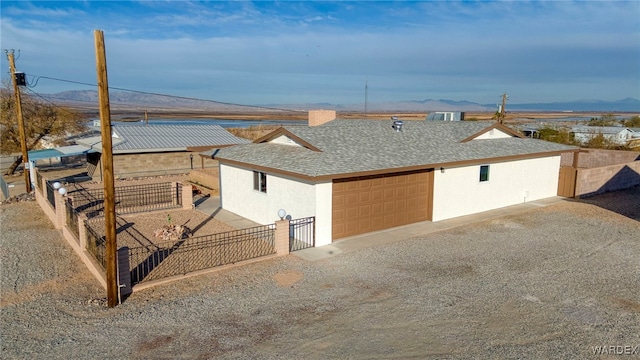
284	140
299	199
493	134
458	191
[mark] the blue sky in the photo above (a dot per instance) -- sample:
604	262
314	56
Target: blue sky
286	52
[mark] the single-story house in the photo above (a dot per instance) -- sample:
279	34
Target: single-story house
445	116
617	134
149	150
359	176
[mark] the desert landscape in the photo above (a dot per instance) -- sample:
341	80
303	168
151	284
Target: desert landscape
496	288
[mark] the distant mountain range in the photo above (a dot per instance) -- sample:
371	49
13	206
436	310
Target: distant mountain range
88	99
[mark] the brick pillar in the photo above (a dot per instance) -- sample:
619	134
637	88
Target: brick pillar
187	196
282	237
82	230
61	210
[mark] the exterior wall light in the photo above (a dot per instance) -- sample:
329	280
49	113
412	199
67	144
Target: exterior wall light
282	214
61	190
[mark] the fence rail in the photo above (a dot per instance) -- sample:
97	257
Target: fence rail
302	233
130	199
72	218
39	181
51	194
96	245
170	258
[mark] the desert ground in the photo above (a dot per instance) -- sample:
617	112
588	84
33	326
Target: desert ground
560	281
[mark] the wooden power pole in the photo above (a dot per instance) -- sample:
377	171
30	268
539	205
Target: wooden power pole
107	170
502	109
23	135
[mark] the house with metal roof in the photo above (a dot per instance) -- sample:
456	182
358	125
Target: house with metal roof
359	176
149	150
617	134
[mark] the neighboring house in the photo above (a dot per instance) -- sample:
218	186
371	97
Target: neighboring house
618	135
358	176
149	150
445	116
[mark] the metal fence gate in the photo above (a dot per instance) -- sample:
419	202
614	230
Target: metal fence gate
302	233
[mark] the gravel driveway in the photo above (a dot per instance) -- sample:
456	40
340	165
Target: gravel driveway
548	283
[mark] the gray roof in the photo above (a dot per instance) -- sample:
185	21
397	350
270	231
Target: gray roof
599	129
156	138
361	146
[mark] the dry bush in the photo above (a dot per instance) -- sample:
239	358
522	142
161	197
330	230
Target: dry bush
252	132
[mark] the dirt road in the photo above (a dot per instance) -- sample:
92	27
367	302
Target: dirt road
555	282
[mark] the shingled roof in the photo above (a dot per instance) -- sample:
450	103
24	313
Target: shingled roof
156	138
344	148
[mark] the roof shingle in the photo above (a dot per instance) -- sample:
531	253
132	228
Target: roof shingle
360	146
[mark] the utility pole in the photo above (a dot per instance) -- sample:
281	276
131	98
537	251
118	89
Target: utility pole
366	97
107	170
502	109
23	136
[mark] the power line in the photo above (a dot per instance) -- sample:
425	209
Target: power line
37	79
49	102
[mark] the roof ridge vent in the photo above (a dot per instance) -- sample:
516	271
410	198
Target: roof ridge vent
397	124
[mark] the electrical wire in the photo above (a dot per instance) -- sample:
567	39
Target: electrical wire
37	79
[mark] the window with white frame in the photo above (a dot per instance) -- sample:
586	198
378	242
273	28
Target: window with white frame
484	173
260	181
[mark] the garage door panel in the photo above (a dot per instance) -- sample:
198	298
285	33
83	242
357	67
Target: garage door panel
364	211
377	182
389	194
364	224
374	203
338	201
377	195
377	209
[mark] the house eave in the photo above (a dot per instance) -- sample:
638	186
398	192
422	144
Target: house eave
497	126
462	163
282	131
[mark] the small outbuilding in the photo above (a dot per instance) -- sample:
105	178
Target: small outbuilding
150	150
617	134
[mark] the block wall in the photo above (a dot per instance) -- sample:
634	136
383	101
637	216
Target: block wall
598	180
592	158
206	177
149	164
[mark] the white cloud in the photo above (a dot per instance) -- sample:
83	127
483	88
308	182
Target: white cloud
257	53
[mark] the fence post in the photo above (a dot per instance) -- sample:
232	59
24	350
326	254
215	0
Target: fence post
282	237
82	230
187	196
61	210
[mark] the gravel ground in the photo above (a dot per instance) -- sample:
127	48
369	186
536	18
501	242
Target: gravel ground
548	283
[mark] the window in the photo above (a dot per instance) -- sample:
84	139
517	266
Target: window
484	173
260	181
